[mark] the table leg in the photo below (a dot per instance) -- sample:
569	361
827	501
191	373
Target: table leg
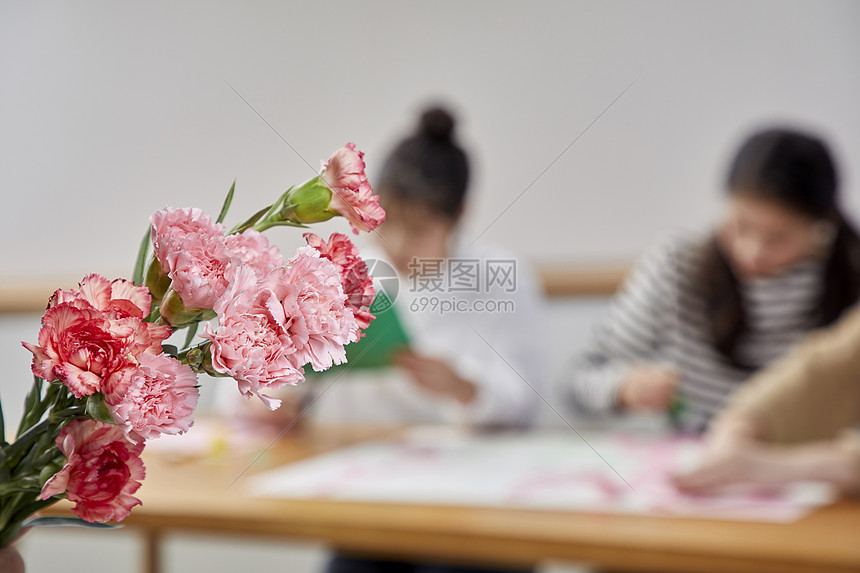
151	551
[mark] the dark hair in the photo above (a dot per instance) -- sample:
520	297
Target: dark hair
428	168
797	171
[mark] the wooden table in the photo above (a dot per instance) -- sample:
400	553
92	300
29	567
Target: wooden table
194	496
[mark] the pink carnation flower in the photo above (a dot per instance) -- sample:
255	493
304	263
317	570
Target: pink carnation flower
192	250
92	336
352	197
253	249
170	227
160	399
102	471
322	303
147	337
80	347
200	270
123	304
259	324
118	298
355	279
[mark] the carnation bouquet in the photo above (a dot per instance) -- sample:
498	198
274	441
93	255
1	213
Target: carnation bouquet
105	381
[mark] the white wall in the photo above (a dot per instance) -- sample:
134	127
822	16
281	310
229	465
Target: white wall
110	110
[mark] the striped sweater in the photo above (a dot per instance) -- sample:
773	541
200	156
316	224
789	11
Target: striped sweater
657	317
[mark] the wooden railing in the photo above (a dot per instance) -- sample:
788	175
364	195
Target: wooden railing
559	280
570	280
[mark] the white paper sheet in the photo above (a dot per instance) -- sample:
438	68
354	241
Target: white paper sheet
612	473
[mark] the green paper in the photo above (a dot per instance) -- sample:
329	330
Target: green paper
384	338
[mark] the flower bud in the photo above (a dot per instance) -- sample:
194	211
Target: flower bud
174	311
195	359
200	360
50	469
156	281
308	203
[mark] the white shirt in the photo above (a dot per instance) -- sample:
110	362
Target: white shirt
493	338
658	317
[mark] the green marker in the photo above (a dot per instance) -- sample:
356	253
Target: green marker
677	409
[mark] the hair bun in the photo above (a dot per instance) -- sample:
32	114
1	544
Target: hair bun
437	123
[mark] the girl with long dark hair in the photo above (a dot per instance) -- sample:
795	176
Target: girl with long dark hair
697	317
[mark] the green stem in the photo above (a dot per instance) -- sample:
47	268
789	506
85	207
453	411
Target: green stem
25	511
69	412
12	455
263	225
43	444
25	483
19	510
250	222
25	459
48	456
8	508
28	436
183	356
36	409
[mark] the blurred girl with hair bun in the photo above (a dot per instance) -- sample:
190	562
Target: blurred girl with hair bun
473	314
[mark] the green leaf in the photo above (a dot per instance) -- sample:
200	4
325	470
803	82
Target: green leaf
32	404
59	415
170	349
189	338
27	483
97	409
140	264
44	444
264	215
250	222
14	452
227	200
51	460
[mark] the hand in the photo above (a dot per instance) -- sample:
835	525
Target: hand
732	454
648	388
754	462
436	376
727	466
